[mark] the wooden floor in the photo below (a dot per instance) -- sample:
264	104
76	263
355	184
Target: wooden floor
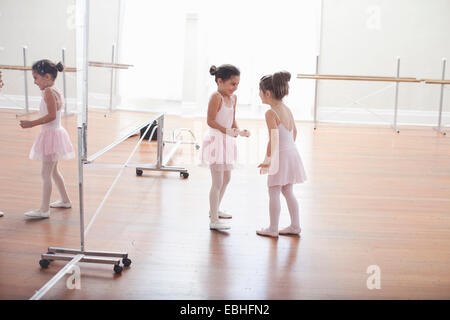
372	197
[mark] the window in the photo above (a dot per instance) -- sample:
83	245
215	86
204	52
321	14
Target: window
259	37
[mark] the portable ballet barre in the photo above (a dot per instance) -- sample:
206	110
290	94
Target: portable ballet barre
397	79
75	255
160	164
82	255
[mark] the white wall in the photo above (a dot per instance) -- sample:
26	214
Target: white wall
361	37
45	27
364	37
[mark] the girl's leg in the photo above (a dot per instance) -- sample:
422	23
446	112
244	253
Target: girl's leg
274	211
46	173
274	207
226	180
59	181
214	194
292	204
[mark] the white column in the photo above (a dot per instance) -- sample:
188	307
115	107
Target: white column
191	86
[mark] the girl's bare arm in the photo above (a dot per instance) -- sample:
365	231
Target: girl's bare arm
213	108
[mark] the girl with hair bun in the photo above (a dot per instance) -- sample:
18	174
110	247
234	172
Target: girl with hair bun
53	143
219	150
282	162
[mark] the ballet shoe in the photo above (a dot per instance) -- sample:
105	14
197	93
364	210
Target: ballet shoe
37	214
223	215
60	204
218	226
290	231
267	233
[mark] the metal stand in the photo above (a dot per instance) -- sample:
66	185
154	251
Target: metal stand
316	92
441	100
112	80
394	126
176	137
63	59
27	107
63	51
160	165
75	255
105	257
64	254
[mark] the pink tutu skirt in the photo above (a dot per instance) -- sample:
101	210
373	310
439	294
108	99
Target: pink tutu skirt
52	144
219	151
286	168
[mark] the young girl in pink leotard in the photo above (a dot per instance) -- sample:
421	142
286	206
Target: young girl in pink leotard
53	143
219	150
282	163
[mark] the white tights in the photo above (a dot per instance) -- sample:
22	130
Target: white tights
275	207
220	180
49	170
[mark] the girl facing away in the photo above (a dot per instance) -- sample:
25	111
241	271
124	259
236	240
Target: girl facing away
219	150
282	162
53	143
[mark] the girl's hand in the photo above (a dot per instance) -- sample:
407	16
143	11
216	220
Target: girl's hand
26	124
234	132
264	168
244	133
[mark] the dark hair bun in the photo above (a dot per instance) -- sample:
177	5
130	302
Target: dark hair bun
282	75
60	67
212	70
277	83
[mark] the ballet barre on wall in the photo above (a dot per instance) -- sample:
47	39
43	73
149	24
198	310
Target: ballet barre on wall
111	65
397	80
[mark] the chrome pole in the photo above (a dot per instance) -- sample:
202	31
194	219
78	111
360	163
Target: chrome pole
396	96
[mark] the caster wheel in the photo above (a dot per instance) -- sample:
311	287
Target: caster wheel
139	172
184	175
44	263
118	269
197	146
126	262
